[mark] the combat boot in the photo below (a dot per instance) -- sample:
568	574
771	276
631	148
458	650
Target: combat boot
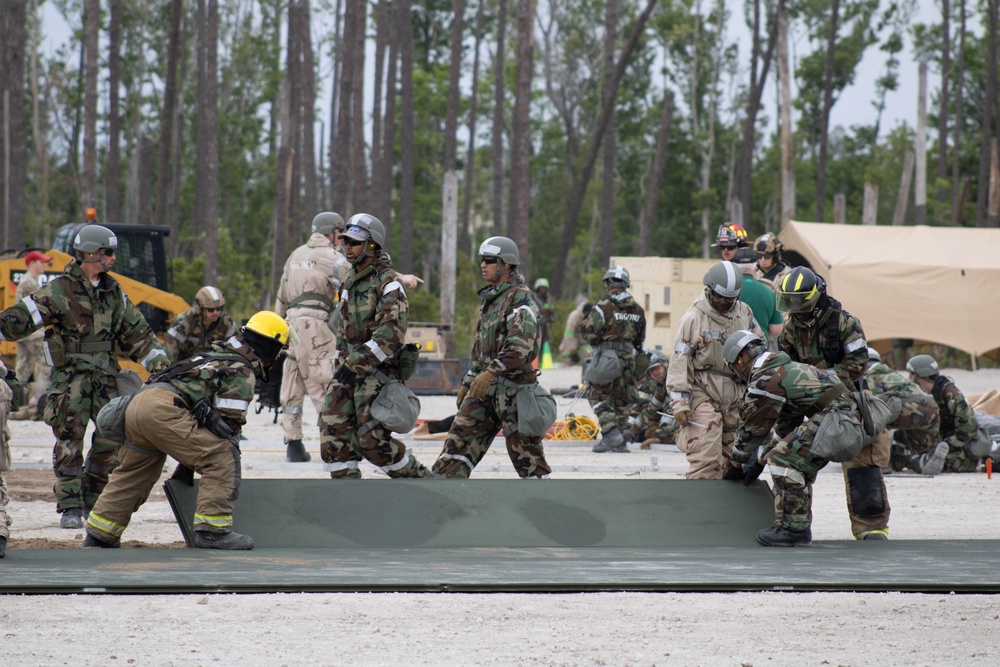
230	541
295	452
776	536
612	441
932	463
93	542
3	546
71	518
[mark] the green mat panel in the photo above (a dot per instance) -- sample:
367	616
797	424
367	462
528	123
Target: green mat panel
388	514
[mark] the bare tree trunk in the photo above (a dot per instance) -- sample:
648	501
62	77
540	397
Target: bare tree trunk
608	167
903	198
824	130
920	190
146	156
335	82
993	209
284	182
956	158
343	174
498	118
839	209
167	129
787	157
464	243
91	33
986	126
208	135
577	198
112	182
13	126
407	118
293	117
39	129
384	197
359	166
869	211
941	173
656	175
519	204
383	35
177	140
307	115
449	186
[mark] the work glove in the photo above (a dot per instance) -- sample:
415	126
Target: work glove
752	468
481	384
647	442
462	391
183	474
734	473
682	416
345	375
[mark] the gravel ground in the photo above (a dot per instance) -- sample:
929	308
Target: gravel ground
508	629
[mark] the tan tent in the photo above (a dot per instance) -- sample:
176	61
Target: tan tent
934	284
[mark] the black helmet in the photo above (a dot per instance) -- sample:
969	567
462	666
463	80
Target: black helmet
799	291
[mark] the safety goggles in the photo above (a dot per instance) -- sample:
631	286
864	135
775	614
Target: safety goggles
489	260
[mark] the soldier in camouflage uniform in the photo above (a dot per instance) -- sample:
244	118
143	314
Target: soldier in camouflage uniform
30	356
201	325
958	420
546	309
916	419
572	348
507	340
371	335
770	269
307	296
792	399
704	394
6	397
193	411
651	420
615	323
821	333
88	315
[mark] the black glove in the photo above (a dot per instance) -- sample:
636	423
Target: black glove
752	469
345	375
733	473
183	474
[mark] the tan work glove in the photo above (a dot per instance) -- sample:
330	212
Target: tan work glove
682	417
481	384
647	442
462	391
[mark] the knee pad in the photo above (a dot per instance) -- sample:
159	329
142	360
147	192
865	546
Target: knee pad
867	491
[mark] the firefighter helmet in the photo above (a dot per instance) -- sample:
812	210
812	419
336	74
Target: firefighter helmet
799	291
731	234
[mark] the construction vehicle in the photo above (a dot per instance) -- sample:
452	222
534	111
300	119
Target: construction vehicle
141	268
435	374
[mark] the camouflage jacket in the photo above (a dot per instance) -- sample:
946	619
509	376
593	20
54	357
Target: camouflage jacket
226	375
508	335
313	274
653	395
772	277
616	318
781	393
79	313
28	286
373	318
958	420
883	381
187	333
811	342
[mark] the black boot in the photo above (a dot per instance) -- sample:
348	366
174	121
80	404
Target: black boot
71	518
295	452
92	542
230	541
3	546
612	441
776	536
183	474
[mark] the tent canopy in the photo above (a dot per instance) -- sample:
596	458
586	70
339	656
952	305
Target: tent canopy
935	284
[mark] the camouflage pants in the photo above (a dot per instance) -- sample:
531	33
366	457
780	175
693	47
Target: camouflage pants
613	402
474	429
958	460
348	434
5	461
31	364
916	430
708	446
157	423
308	369
73	400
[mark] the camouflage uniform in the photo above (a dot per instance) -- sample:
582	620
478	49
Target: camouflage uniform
839	344
773	276
572	342
547	315
617	322
792	398
158	422
89	321
306	298
918	418
5	462
647	421
507	340
188	335
698	380
371	334
30	356
958	424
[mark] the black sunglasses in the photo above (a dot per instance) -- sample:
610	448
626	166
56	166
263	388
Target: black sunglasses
728	247
108	252
353	242
489	260
213	310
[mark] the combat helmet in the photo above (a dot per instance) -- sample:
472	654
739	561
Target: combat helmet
503	248
922	365
210	297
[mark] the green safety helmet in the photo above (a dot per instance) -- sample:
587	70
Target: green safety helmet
502	247
618	274
327	222
922	365
93	238
541	282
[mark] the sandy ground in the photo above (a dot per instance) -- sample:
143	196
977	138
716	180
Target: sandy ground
506	629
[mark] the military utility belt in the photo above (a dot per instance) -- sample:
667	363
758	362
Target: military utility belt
830	395
325	302
88	348
510	383
618	345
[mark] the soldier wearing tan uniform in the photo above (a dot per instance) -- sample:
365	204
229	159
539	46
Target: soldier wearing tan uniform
704	394
31	363
307	298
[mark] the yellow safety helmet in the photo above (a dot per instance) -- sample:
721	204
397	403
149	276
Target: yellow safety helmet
267	333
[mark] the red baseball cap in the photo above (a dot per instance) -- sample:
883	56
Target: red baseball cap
35	256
